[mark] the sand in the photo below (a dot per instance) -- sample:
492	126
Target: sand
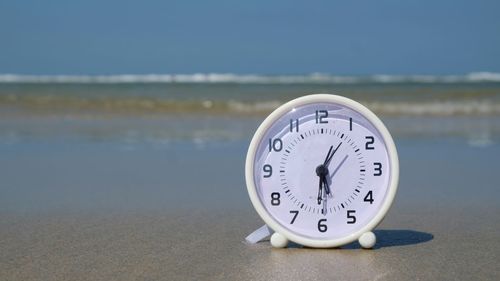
135	211
425	245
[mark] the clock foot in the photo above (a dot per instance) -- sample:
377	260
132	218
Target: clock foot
367	240
278	240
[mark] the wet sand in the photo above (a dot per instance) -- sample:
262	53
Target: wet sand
79	210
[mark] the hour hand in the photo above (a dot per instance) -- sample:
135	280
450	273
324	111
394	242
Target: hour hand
320	190
326	185
330	154
323	211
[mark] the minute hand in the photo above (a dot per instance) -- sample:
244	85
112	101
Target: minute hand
330	156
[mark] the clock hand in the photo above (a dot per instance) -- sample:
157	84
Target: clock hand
322	171
328	156
324	203
338	167
320	190
326	185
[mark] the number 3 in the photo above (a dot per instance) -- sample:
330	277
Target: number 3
378	169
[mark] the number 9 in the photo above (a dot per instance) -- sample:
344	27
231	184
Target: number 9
267	169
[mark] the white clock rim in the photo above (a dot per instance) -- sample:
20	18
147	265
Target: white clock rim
305	100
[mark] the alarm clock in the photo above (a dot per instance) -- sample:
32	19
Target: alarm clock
322	171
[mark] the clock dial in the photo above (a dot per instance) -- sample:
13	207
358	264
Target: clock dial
322	170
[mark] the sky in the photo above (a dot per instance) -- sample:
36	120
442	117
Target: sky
355	37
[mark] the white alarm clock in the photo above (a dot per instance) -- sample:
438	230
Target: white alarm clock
322	171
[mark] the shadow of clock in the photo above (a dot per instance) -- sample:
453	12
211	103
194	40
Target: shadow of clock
396	237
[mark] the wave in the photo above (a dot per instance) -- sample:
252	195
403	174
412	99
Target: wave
314	78
447	108
54	104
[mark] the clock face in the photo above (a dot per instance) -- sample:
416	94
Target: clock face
322	170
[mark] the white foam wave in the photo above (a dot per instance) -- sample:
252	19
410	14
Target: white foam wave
318	78
434	108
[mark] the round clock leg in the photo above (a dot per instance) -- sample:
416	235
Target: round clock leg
367	240
278	240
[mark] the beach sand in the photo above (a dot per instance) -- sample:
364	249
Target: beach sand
425	245
107	210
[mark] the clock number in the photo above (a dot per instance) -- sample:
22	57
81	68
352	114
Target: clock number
350	216
275	199
322	227
268	169
320	115
378	169
369	143
350	124
295	214
369	197
276	145
294	125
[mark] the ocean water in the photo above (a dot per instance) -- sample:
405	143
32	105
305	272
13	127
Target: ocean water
118	143
202	108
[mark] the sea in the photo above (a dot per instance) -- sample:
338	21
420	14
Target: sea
211	107
126	142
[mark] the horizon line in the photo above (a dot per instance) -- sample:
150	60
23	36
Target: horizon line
472	77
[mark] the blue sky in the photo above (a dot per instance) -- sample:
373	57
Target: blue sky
265	37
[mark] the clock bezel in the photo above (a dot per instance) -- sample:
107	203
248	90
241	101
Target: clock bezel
277	114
